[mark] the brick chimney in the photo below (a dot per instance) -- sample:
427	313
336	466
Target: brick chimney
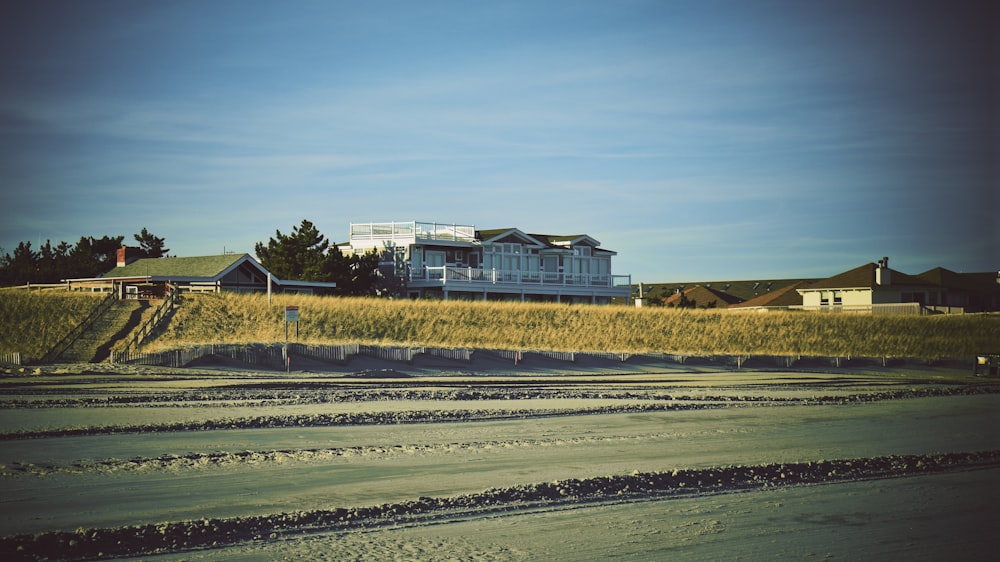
126	255
883	275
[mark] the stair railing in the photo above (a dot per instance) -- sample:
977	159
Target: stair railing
161	312
70	338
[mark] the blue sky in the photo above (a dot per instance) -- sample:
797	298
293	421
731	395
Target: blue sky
700	140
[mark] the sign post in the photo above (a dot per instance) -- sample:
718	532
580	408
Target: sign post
291	315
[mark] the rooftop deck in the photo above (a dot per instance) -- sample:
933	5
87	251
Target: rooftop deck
373	234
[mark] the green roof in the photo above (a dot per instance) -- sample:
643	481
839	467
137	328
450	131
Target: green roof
204	266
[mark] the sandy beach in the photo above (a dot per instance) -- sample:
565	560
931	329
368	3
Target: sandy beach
441	459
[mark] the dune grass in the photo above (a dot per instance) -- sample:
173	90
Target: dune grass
31	322
233	318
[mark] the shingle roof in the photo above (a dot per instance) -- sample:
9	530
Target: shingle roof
785	296
207	267
978	282
492	233
742	290
863	276
702	297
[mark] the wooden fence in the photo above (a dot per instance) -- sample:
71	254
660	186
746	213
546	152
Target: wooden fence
10	358
275	356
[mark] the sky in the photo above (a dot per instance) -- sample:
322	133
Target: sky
704	140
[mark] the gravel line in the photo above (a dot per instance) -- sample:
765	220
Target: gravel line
208	533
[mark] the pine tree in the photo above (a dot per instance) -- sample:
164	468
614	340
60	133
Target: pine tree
150	246
299	256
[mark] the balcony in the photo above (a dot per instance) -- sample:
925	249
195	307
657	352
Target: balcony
375	234
450	275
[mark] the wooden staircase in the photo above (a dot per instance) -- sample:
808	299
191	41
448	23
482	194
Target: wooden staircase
95	342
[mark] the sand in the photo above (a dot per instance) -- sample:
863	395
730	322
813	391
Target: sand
443	460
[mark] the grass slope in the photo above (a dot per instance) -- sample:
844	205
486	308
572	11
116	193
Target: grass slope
232	318
31	322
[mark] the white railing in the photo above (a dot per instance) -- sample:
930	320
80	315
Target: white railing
444	274
886	308
383	231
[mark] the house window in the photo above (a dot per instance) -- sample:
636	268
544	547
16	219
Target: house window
824	298
838	299
505	256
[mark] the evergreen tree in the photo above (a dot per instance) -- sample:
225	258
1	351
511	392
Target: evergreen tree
19	269
306	255
360	277
92	257
299	256
150	246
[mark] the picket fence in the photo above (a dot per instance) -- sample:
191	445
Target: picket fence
10	358
275	356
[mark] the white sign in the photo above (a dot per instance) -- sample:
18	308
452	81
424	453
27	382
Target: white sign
291	314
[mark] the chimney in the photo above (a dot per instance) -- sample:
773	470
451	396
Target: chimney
125	257
883	275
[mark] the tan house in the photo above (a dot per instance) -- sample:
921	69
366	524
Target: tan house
874	287
458	261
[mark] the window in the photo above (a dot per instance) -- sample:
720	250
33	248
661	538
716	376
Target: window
505	256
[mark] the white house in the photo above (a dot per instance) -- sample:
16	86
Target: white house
458	261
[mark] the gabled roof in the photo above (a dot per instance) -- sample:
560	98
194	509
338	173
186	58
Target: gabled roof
202	267
703	297
785	296
569	239
498	234
552	241
198	269
863	277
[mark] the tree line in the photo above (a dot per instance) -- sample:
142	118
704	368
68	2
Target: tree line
305	254
90	257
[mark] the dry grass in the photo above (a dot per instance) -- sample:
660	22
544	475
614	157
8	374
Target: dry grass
31	322
232	318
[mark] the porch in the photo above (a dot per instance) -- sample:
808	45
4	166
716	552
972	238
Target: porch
477	281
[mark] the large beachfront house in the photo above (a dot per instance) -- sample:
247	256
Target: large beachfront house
458	261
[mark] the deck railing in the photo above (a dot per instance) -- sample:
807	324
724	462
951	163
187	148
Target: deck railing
444	274
369	232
